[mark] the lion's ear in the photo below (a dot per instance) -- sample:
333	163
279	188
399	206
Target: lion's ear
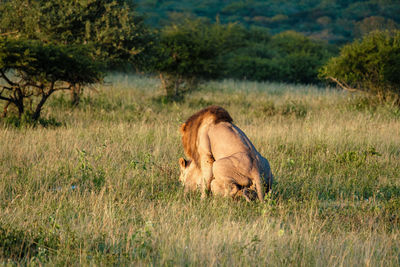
182	128
182	163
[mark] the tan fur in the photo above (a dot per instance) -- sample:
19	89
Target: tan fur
190	175
223	158
190	128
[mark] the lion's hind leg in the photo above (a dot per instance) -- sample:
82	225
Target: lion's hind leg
222	188
228	180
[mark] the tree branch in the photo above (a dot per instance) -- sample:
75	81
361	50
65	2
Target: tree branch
3	75
8	33
5	88
62	88
51	90
33	85
29	95
343	85
6	98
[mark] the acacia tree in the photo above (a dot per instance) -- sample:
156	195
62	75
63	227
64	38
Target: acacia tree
112	29
30	72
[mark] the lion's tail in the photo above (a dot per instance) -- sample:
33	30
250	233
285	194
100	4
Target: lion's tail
259	186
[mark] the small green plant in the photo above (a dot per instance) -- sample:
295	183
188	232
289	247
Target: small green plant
141	241
269	206
293	108
143	162
89	177
357	157
18	244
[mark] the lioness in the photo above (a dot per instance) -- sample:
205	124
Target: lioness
223	159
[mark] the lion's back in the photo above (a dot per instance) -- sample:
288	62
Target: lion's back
190	129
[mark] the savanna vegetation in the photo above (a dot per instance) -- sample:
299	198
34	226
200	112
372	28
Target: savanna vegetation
336	21
111	29
90	177
193	45
369	65
102	188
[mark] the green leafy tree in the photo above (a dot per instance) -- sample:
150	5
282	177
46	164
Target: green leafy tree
30	72
190	51
111	27
115	34
369	65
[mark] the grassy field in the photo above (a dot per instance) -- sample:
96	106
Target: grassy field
102	188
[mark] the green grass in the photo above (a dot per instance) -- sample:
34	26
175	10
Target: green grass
100	187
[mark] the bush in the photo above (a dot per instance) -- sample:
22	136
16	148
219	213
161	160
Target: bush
369	65
190	50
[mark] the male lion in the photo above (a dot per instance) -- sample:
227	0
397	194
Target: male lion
223	159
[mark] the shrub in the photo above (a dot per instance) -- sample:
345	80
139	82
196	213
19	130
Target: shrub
190	50
369	65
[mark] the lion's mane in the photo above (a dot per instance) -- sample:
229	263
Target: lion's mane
190	128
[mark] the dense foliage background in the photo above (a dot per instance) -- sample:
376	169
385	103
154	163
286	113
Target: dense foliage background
114	32
184	43
336	21
278	40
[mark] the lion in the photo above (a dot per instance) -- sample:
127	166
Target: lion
222	158
190	178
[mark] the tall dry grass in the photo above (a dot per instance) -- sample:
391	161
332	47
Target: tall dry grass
102	188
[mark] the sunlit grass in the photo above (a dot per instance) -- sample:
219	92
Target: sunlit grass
102	188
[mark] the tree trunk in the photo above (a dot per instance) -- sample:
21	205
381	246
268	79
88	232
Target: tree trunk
170	84
75	95
163	83
19	101
20	105
5	109
176	86
36	115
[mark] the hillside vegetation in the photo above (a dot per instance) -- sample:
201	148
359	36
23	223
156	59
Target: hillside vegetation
184	42
102	188
337	21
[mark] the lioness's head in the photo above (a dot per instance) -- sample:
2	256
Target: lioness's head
190	174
